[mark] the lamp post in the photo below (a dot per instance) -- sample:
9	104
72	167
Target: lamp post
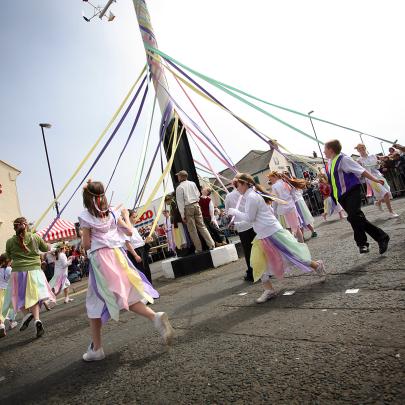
361	138
382	148
44	125
319	146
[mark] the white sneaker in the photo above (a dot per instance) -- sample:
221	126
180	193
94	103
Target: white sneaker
267	295
320	270
26	321
163	326
378	205
67	300
10	324
393	215
92	355
2	330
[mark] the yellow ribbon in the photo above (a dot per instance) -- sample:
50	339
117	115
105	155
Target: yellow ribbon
175	144
114	117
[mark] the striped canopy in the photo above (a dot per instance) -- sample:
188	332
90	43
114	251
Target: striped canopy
61	230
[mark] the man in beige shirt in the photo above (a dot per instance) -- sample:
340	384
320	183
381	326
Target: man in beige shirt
187	197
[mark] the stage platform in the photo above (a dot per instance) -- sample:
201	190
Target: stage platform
183	266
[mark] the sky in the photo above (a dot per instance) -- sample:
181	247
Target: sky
344	60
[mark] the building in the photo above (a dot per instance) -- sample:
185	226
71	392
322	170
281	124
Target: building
9	203
259	163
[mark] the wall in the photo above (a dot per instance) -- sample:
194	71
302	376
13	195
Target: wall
9	204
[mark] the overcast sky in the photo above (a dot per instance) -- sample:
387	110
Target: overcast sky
342	59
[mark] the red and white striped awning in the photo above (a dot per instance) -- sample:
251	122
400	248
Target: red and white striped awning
61	230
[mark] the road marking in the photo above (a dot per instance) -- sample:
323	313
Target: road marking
242	293
288	292
352	291
2	378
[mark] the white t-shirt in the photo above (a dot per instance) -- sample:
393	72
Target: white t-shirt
231	200
5	273
135	240
104	231
283	191
259	214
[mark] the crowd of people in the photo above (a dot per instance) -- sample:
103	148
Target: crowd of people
270	221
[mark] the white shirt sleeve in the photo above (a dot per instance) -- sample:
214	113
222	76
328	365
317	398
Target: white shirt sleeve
180	199
211	208
250	213
348	165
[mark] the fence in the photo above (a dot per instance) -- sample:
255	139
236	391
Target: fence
395	178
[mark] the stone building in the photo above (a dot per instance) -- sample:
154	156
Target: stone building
9	203
259	163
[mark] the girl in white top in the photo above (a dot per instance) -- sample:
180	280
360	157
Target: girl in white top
60	279
114	283
283	190
381	192
5	273
274	248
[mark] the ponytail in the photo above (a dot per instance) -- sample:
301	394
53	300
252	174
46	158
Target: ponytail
20	227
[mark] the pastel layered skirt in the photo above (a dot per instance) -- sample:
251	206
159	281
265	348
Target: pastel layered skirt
59	282
377	189
114	284
274	256
330	207
25	289
291	220
181	237
304	213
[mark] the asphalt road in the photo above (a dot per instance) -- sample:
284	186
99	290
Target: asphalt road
319	345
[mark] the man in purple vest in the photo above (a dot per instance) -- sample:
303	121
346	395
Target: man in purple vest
344	173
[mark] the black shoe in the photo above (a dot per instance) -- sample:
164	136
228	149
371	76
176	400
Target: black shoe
248	277
26	321
383	244
40	329
364	249
314	235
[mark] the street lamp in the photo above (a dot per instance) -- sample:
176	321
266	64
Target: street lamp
319	146
361	138
44	125
381	143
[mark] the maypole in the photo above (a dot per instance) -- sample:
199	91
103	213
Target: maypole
183	159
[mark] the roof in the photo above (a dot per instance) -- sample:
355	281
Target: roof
61	229
10	166
303	158
253	162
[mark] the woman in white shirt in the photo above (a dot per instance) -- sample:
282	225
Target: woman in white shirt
288	211
60	279
382	193
274	248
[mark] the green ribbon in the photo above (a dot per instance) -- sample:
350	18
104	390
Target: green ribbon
227	88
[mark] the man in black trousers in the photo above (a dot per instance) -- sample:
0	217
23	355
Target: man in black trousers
344	173
136	249
246	233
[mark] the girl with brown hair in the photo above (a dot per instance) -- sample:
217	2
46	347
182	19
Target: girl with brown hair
114	283
28	286
329	206
282	187
274	248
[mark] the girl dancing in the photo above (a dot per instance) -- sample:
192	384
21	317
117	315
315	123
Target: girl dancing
381	192
114	283
60	279
28	286
274	248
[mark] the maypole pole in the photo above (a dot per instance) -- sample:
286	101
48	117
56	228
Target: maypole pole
183	159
